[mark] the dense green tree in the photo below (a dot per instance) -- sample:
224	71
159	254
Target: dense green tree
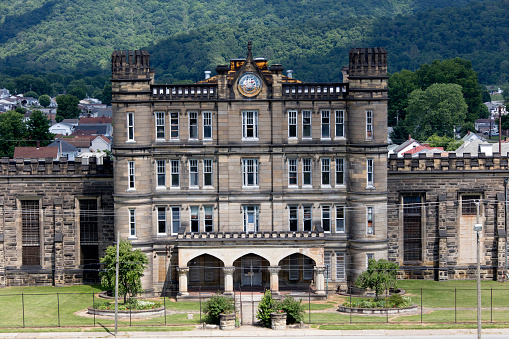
30	94
132	263
67	107
38	128
437	110
505	93
13	132
45	100
381	275
105	95
400	86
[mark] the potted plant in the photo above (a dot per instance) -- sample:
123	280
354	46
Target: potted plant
220	310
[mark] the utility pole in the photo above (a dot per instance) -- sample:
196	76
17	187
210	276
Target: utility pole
477	229
116	284
500	130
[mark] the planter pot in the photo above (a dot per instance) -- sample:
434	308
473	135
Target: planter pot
376	311
128	313
278	321
227	321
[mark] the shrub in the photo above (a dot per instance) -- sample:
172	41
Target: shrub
216	305
294	310
131	304
266	306
380	275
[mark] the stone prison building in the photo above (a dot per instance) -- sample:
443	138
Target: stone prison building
251	179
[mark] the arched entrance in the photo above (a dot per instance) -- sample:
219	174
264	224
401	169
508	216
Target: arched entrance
297	272
251	272
205	273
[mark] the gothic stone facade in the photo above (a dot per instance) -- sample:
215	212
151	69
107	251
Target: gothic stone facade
57	220
433	208
250	177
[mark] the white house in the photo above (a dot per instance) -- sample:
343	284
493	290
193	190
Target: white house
61	128
100	144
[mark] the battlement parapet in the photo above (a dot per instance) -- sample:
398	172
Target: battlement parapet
449	163
62	167
367	62
130	64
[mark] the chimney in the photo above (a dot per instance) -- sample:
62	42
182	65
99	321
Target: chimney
289	73
207	74
38	144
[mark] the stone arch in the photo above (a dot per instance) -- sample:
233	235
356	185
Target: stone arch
316	254
205	271
186	255
296	270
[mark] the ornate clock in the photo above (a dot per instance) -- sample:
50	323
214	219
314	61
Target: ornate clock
249	84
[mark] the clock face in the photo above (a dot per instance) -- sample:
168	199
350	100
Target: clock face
249	84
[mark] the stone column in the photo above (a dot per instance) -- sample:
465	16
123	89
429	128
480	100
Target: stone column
183	274
320	280
274	279
228	279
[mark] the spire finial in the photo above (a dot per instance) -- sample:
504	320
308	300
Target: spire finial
249	53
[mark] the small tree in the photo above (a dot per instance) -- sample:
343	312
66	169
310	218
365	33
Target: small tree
216	305
45	100
132	263
379	276
294	309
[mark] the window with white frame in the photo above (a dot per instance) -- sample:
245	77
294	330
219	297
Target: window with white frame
369	172
293	214
370	227
293	274
207	125
193	125
308	272
193	173
207	172
160	125
132	223
174	126
161	173
292	124
249	125
161	220
306	124
308	219
131	175
340	266
325	124
209	218
326	218
369	124
130	126
175	219
250	218
325	162
250	172
175	173
340	171
292	172
195	219
327	261
369	256
340	124
340	219
307	172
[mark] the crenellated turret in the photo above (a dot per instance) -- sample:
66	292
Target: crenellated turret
131	64
367	62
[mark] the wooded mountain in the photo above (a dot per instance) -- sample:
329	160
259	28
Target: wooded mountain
187	37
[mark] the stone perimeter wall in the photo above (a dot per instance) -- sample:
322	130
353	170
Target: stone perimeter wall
442	182
58	186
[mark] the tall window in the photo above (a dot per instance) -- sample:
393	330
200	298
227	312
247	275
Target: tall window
327	261
250	218
250	125
174	126
175	173
130	166
132	223
325	172
193	173
340	124
160	125
340	219
30	233
340	171
161	220
161	173
294	218
89	236
369	124
306	124
292	172
325	124
292	124
369	217
326	218
195	219
340	266
130	126
294	268
250	172
207	125
306	171
307	224
193	125
207	172
209	219
175	219
412	219
369	171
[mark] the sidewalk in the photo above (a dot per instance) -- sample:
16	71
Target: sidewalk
252	331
